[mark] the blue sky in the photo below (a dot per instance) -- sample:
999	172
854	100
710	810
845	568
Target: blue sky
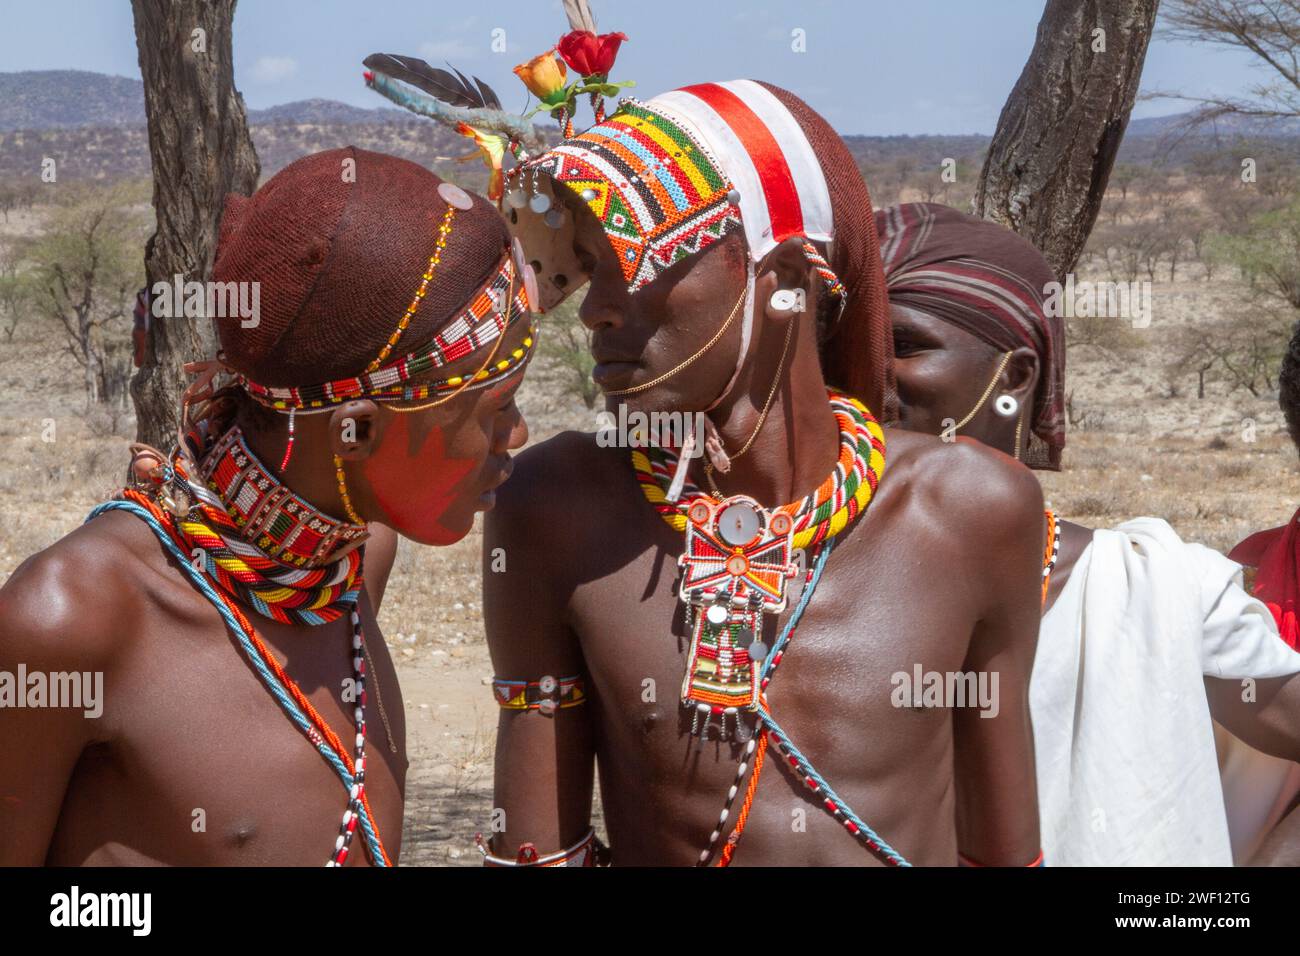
871	66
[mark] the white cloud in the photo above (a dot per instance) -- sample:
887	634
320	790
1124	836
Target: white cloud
273	69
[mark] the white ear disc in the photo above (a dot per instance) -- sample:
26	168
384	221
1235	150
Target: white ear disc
1006	405
783	299
530	287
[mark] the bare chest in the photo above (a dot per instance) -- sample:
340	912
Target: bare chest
203	763
842	691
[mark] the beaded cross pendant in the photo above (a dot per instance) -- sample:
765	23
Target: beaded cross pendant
734	570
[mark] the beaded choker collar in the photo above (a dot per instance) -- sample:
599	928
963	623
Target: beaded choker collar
271	517
243	515
822	514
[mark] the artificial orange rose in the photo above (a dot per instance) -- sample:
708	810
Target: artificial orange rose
544	76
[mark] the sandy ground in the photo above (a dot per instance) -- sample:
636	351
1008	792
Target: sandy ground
1192	462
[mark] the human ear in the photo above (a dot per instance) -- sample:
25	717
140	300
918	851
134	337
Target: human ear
1020	377
783	286
354	430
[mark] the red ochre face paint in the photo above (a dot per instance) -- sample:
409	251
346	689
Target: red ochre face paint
420	486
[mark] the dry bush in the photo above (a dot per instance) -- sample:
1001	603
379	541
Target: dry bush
1091	505
1235	468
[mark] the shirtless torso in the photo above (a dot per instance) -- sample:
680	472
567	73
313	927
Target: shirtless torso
940	572
192	762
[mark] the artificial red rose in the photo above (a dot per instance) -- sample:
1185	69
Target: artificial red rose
589	54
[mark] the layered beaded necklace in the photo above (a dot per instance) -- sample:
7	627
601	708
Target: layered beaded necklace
735	566
235	523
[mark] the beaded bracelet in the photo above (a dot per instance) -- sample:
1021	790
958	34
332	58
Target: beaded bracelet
588	851
546	695
964	860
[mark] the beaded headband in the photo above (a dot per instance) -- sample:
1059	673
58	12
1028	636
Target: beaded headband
671	176
482	322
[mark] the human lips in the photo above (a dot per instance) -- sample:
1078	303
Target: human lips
487	498
610	374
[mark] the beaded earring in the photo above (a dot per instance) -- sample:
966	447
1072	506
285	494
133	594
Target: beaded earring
288	448
343	492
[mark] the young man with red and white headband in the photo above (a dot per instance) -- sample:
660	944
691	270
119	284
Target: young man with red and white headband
225	589
725	631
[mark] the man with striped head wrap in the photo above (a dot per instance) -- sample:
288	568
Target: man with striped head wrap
373	381
723	233
1140	629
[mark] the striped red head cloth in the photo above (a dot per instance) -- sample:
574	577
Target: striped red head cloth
669	177
987	280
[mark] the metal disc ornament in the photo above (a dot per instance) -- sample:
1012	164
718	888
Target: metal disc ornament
738	522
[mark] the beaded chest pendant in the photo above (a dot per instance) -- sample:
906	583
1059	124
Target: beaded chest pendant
734	570
739	558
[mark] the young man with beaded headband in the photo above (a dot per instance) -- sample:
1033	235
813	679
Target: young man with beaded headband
226	588
725	231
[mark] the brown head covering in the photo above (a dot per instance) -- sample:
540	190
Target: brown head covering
859	355
339	249
990	282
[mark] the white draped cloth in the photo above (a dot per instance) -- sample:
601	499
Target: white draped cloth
1125	746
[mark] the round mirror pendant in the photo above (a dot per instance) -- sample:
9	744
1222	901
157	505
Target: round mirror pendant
737	564
738	523
539	203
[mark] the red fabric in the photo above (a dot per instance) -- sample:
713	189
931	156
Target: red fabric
1275	556
764	152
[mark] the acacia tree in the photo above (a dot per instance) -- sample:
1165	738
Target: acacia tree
85	269
1056	140
1267	29
201	151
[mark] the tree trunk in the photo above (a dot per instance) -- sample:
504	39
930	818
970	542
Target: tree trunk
201	150
1052	153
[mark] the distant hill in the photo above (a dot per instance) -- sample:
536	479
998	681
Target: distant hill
59	99
94	126
325	111
66	99
1225	126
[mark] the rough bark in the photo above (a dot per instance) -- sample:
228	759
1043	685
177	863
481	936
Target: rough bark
201	150
1056	140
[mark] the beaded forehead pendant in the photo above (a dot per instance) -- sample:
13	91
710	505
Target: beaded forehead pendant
737	561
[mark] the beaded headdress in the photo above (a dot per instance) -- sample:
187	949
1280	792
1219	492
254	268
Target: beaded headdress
669	177
492	310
